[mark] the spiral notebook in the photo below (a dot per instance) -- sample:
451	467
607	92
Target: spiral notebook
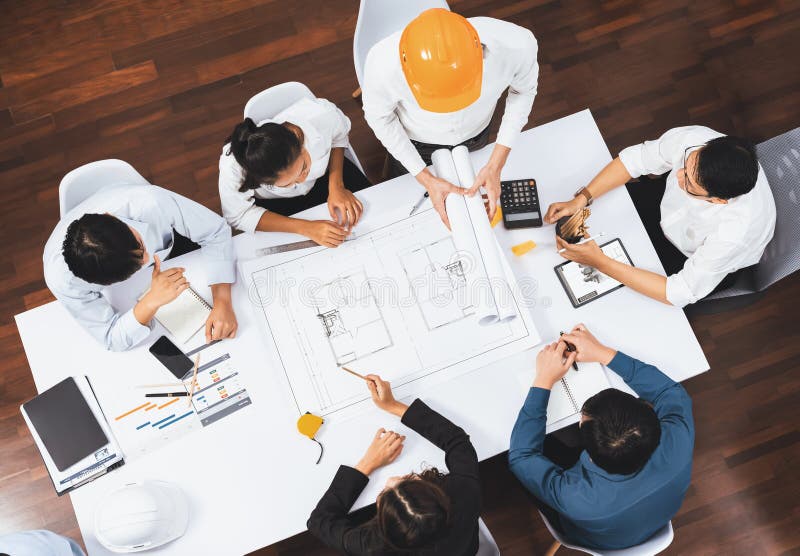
184	316
569	394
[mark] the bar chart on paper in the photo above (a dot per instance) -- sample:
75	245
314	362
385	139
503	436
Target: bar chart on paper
142	425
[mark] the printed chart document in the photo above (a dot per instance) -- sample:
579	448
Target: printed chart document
409	300
143	425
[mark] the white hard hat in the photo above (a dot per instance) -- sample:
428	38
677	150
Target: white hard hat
141	516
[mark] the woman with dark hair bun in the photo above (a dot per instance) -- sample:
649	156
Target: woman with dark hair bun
428	513
284	165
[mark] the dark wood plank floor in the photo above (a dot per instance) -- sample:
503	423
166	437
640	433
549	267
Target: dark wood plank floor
160	84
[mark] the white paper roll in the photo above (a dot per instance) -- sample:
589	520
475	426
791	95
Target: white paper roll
497	285
465	240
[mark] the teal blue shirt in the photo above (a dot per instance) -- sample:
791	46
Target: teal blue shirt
596	508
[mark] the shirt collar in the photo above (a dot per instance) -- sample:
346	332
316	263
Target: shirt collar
143	228
592	467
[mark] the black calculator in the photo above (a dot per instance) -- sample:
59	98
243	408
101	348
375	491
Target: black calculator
519	200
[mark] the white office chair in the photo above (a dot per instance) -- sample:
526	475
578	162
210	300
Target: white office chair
655	544
84	181
377	19
270	102
486	544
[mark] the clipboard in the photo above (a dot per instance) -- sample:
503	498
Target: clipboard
578	283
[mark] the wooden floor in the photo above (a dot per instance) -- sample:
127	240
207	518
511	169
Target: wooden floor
160	83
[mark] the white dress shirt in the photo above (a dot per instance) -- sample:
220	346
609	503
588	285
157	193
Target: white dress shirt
717	238
154	213
324	126
509	61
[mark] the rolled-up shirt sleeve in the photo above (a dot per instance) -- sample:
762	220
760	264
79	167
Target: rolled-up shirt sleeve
704	270
657	156
379	111
238	207
207	228
116	331
521	92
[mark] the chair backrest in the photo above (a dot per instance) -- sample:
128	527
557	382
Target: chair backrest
377	19
655	544
84	181
780	158
270	102
486	544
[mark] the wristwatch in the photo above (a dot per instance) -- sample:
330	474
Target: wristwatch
585	192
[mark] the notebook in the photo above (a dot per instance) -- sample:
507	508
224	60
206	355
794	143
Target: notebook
584	283
72	434
185	315
569	393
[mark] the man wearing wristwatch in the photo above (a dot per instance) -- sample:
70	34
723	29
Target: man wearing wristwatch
710	215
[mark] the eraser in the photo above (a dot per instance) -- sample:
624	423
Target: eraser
523	248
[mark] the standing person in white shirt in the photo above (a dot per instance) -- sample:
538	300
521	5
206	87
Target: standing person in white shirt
712	215
282	166
119	230
436	85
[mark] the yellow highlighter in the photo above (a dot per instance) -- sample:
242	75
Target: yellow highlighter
523	248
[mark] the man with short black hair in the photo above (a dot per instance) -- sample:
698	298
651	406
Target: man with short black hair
636	466
712	214
117	231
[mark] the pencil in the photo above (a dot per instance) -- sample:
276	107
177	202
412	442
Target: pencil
194	378
352	372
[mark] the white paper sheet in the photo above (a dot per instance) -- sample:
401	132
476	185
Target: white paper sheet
394	302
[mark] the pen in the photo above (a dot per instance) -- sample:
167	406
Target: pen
419	203
570	348
166	394
588	239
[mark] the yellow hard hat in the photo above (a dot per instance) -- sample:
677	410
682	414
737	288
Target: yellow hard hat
442	59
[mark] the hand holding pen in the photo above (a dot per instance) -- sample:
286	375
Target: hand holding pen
570	349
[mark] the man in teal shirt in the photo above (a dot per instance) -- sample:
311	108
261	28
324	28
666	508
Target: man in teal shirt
636	465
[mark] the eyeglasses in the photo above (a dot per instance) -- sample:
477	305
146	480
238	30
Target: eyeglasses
686	181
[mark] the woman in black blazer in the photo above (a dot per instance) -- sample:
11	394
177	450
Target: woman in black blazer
428	513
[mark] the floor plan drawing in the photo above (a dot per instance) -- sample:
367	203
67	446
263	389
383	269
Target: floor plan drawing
438	271
398	301
351	318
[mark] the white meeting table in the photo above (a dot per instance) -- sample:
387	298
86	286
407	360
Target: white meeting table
251	479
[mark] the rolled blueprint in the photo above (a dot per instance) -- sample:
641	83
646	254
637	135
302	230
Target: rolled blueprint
487	242
473	235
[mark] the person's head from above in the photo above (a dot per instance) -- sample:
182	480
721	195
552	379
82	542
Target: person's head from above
102	249
619	431
442	60
271	154
413	511
720	170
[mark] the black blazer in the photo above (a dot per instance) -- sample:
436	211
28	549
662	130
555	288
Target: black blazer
331	523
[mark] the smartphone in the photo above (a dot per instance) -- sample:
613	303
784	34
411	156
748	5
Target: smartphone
171	357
